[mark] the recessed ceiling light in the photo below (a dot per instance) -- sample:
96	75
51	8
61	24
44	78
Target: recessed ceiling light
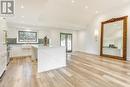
73	1
22	6
22	16
86	7
97	12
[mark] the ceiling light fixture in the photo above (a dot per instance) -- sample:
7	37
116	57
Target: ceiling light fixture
73	1
22	16
22	6
86	7
97	12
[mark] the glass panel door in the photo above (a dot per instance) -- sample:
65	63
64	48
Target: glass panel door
66	40
69	42
63	40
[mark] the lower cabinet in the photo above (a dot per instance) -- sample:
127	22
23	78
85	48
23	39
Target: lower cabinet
19	51
3	60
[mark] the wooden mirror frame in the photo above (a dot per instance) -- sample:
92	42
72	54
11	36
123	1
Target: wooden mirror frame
124	37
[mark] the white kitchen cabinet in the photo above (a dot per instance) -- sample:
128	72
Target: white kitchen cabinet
3	47
3	61
20	51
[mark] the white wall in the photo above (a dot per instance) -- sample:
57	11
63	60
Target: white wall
53	34
87	41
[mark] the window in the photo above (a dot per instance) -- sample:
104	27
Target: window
27	37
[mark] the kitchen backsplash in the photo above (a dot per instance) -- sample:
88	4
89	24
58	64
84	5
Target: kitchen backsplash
14	41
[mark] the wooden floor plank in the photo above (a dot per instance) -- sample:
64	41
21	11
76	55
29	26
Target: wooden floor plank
82	70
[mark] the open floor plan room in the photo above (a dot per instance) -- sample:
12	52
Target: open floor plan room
64	43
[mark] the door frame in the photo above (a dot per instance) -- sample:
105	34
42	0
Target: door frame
66	34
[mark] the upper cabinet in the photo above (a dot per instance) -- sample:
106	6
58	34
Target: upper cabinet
3	24
3	31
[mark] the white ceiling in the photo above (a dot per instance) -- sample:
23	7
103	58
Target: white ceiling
61	13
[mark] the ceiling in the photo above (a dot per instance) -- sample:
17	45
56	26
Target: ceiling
74	14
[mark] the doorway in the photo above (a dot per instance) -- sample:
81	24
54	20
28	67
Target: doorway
66	40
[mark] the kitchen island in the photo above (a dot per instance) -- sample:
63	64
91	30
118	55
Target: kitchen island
49	58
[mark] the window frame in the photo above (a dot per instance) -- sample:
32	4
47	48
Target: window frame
66	36
36	37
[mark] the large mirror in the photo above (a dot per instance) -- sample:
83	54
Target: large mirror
114	37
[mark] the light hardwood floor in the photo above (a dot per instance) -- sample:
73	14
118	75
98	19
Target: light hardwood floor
82	70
